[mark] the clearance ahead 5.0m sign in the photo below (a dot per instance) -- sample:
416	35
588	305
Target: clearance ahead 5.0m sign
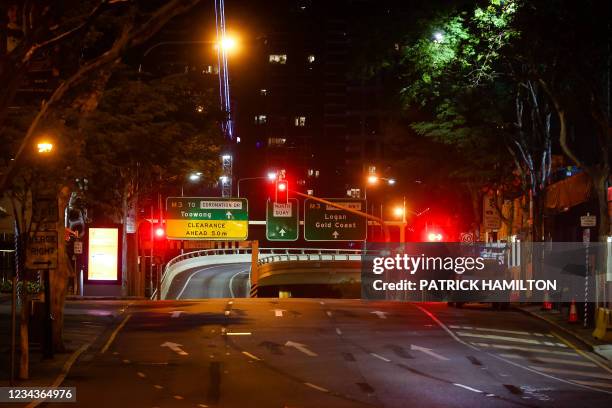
207	218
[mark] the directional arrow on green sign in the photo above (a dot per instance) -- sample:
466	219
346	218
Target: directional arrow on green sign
324	222
282	220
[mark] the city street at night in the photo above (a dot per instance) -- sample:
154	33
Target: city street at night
305	203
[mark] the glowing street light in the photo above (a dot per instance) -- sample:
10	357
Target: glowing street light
391	181
228	43
372	179
44	147
272	176
398	211
195	176
438	37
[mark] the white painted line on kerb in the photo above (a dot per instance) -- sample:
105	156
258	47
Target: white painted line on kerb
529	349
316	387
246	353
114	334
524	333
378	356
467	388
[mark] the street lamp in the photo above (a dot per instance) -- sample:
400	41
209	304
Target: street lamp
272	175
438	36
44	147
193	177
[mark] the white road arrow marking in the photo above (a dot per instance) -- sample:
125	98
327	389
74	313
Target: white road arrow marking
335	234
282	232
382	315
228	214
301	347
427	351
279	312
177	313
175	347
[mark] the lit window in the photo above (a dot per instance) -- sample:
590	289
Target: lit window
199	109
263	92
260	119
276	141
300	121
313	173
311	58
278	58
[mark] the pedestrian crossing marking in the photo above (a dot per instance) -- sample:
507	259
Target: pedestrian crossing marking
572	372
552	360
594	383
528	349
523	333
511	339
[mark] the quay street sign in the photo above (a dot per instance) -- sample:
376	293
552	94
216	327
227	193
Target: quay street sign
207	218
323	222
282	220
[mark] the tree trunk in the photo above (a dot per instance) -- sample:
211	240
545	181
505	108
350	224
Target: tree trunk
24	339
59	278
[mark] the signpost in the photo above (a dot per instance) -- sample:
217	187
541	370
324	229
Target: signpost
220	219
282	220
42	250
588	220
323	222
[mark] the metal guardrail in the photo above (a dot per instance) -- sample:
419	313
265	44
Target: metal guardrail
276	254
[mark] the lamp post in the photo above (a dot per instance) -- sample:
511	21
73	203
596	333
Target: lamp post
270	177
193	177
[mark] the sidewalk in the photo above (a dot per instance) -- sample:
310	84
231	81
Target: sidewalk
557	319
83	334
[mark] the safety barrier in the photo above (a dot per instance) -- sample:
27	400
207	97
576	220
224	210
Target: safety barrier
188	260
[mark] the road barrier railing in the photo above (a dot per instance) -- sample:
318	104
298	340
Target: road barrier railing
202	257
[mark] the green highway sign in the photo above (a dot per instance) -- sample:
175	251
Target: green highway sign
282	220
221	219
323	222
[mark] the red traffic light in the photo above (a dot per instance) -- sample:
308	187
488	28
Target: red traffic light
282	191
434	237
160	232
282	186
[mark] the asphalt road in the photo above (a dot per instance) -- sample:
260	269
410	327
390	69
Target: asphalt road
334	353
212	281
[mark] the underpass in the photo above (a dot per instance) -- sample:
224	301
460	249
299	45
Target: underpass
227	273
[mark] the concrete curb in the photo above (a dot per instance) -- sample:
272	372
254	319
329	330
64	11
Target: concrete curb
590	345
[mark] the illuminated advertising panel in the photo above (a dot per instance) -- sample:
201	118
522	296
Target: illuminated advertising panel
103	254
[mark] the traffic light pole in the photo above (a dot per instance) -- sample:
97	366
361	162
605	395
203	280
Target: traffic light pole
350	210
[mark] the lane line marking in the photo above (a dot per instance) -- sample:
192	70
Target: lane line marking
378	356
338	331
328	313
467	388
141	375
159	387
572	372
178	397
511	339
582	353
231	286
316	387
231	302
446	329
114	334
552	360
246	353
237	333
191	276
528	349
227	312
